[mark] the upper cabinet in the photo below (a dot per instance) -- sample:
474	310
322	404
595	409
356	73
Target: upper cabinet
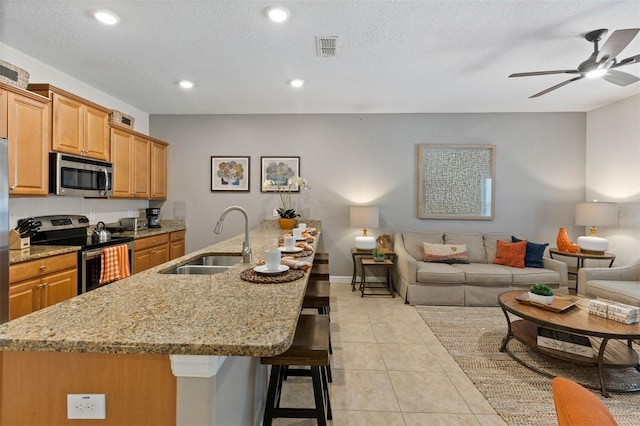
79	127
24	120
139	165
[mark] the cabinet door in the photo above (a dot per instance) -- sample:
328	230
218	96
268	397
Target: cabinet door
68	125
96	134
121	157
158	171
3	113
142	260
160	254
24	298
141	161
59	287
177	249
28	133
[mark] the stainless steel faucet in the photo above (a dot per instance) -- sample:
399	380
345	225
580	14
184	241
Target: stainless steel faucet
246	245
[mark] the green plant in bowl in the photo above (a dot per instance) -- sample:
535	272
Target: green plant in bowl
378	255
541	293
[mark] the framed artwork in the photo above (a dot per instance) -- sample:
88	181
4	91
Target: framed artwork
456	181
229	173
279	170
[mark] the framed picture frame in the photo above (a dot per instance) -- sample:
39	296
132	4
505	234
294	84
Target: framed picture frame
279	170
230	173
456	181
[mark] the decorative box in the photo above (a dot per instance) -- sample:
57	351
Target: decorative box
565	342
13	75
121	118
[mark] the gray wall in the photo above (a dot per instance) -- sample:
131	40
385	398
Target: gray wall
371	159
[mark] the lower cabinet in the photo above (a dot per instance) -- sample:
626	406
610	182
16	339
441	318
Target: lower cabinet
40	283
150	252
177	244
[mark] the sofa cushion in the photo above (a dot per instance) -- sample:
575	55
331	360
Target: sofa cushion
439	273
485	274
511	254
413	242
525	277
490	243
473	241
445	253
533	254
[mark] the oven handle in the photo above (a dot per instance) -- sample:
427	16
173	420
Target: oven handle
92	254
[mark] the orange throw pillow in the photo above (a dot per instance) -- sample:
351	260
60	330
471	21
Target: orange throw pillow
511	254
576	406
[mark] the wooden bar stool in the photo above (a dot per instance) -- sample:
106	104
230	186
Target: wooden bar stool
319	272
321	257
310	348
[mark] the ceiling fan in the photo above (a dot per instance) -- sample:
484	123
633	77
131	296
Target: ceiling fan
601	63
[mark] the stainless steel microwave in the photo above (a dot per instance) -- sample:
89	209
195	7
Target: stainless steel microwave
79	176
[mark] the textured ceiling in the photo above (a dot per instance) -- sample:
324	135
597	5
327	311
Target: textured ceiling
393	56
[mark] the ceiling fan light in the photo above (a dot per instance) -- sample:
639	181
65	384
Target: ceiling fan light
596	73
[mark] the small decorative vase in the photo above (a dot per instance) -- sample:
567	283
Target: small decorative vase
538	298
287	223
563	240
573	248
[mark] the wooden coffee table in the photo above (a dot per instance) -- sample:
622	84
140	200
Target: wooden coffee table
607	336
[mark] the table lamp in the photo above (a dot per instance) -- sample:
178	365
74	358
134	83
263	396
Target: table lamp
364	217
594	215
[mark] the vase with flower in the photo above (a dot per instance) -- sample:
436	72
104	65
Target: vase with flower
287	214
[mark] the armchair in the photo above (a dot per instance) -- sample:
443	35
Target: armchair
621	283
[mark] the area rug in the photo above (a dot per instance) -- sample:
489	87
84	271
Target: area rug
519	395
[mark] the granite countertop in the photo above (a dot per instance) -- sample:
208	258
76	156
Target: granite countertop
37	252
158	313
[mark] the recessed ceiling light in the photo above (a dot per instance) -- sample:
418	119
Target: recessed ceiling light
278	13
297	82
106	17
186	84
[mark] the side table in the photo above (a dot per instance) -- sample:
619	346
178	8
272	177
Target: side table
357	255
388	265
580	258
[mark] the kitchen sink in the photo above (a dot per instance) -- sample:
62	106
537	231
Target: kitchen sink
206	264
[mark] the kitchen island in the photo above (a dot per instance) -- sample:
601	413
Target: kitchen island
209	330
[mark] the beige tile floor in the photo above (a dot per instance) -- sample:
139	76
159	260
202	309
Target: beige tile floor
389	369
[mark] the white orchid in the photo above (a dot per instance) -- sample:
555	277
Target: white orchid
286	212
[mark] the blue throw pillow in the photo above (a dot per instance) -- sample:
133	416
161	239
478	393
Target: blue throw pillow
533	255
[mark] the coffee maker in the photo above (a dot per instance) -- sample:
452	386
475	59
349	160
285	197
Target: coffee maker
153	217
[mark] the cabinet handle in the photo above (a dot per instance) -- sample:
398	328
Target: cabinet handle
44	284
43	267
13	187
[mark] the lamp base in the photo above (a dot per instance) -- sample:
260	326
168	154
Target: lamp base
365	243
593	245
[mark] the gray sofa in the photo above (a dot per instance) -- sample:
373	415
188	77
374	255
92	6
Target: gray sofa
475	284
621	284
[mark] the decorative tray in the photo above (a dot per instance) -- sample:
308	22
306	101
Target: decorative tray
255	277
559	304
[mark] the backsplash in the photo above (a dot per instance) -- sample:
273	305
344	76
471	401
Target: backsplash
105	210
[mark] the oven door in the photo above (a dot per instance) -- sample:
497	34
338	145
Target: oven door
91	268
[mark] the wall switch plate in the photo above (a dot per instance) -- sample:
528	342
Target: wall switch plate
86	406
275	213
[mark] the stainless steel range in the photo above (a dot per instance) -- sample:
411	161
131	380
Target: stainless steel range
71	230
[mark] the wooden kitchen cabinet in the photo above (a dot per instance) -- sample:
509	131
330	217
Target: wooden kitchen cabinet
40	283
131	158
150	252
176	248
3	112
78	126
139	165
158	173
26	117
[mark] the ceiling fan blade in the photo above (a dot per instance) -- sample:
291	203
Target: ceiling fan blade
620	78
557	86
529	74
616	43
627	61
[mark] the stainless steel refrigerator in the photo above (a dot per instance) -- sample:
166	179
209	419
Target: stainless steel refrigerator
4	231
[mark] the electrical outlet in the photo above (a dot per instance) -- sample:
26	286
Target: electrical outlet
275	213
86	406
92	216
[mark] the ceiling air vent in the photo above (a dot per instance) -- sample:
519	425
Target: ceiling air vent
326	46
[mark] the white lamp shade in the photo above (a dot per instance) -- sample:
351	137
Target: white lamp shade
597	214
364	217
